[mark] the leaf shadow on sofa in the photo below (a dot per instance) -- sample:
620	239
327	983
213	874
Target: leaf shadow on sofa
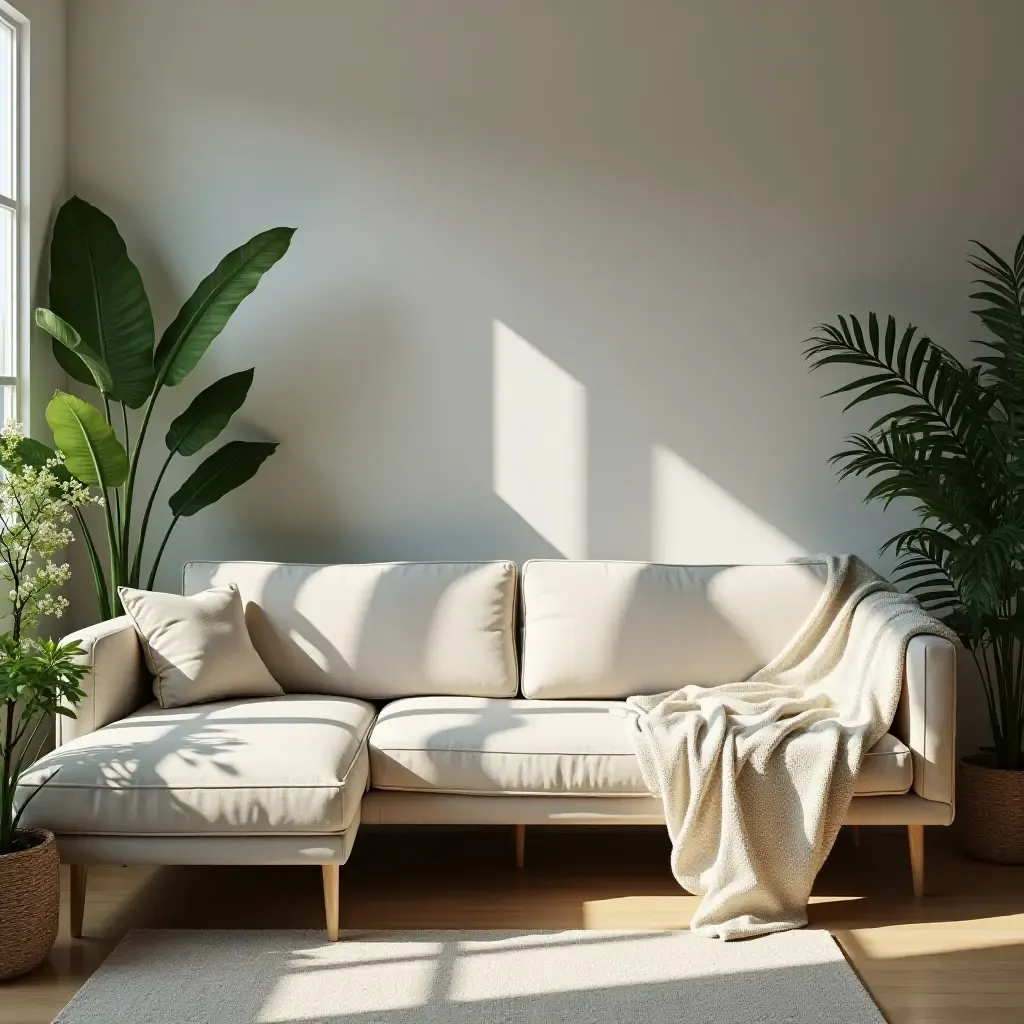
377	631
241	767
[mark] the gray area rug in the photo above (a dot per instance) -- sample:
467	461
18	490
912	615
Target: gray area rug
575	977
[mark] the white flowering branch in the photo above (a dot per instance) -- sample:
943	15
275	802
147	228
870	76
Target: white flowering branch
36	505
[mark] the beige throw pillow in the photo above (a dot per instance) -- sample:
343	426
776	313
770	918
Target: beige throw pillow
198	648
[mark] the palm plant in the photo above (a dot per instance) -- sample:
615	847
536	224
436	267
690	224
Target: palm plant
952	442
103	336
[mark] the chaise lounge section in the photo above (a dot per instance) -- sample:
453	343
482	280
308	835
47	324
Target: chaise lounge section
405	703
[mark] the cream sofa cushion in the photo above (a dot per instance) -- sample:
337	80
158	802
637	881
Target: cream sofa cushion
378	631
610	630
197	648
539	748
887	769
289	764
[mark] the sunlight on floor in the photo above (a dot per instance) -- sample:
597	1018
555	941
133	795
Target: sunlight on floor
657	911
412	978
540	442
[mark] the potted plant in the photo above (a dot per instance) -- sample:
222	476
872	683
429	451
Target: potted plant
38	679
951	441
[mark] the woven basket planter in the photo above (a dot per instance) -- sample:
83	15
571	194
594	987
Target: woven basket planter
990	810
29	903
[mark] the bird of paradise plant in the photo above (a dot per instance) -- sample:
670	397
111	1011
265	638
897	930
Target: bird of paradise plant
101	323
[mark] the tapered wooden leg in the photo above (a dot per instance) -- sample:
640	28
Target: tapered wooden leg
332	898
78	879
856	835
520	845
915	833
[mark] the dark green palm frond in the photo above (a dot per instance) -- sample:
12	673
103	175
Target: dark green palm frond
1002	292
950	443
987	566
945	398
981	572
921	571
903	466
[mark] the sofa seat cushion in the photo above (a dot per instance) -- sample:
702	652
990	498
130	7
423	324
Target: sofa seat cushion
540	748
257	766
887	769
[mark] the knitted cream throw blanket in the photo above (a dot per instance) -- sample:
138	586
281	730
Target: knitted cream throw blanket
756	776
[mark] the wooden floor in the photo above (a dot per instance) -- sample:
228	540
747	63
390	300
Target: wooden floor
957	955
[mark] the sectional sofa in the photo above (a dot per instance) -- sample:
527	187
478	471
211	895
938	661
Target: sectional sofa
441	693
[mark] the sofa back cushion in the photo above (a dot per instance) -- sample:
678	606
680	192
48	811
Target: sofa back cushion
379	631
609	630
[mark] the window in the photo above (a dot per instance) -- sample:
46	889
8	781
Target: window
13	284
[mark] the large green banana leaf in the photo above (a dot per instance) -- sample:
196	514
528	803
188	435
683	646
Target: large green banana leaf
31	452
209	413
227	468
92	452
61	331
204	315
96	288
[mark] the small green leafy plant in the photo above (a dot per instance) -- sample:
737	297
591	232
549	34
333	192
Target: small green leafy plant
38	679
103	336
951	441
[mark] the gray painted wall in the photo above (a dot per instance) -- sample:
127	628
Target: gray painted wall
554	258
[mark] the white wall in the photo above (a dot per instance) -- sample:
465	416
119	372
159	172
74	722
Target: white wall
47	93
554	258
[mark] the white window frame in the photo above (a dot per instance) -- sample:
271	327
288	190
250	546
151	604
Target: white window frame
19	203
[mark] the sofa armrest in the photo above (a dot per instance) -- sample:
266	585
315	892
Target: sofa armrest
117	682
926	718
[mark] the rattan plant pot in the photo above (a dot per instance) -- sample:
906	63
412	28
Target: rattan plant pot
29	903
990	810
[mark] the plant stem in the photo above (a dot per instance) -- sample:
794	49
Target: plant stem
5	839
982	667
133	578
123	527
160	551
115	559
117	507
110	423
24	757
98	579
124	418
133	466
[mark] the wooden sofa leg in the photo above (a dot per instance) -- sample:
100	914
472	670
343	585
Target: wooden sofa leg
332	898
78	879
520	845
915	834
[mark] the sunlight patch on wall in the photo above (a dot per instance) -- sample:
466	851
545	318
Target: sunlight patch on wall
695	521
540	442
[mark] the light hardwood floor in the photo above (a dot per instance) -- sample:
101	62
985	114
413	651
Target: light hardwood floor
955	956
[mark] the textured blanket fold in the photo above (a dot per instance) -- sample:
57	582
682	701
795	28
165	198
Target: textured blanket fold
756	776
